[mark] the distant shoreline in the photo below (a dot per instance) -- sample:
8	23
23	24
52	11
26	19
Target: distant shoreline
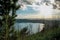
34	20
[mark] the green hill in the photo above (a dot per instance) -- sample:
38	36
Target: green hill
50	34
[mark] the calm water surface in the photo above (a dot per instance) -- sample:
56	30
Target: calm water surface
33	27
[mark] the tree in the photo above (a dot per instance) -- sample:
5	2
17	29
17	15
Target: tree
23	33
8	13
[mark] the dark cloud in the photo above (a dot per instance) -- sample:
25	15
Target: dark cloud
54	6
57	0
27	2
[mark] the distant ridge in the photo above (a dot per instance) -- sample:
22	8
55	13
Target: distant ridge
34	20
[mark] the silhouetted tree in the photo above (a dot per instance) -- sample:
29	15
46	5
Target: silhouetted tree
23	33
8	13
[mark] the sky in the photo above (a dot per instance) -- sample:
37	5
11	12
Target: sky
37	9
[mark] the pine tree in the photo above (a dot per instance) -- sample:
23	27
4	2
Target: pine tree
8	13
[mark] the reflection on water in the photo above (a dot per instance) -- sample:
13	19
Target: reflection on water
32	27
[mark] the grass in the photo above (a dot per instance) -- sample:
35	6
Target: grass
50	34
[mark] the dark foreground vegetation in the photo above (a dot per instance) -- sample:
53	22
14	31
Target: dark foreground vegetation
50	34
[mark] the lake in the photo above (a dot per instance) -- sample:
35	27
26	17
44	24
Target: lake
32	27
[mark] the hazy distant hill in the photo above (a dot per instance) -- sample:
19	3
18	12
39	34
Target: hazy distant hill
35	20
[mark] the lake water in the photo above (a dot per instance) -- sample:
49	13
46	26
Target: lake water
32	27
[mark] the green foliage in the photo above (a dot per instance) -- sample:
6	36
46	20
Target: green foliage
50	34
7	7
22	33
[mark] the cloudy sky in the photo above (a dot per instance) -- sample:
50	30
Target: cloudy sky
37	9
